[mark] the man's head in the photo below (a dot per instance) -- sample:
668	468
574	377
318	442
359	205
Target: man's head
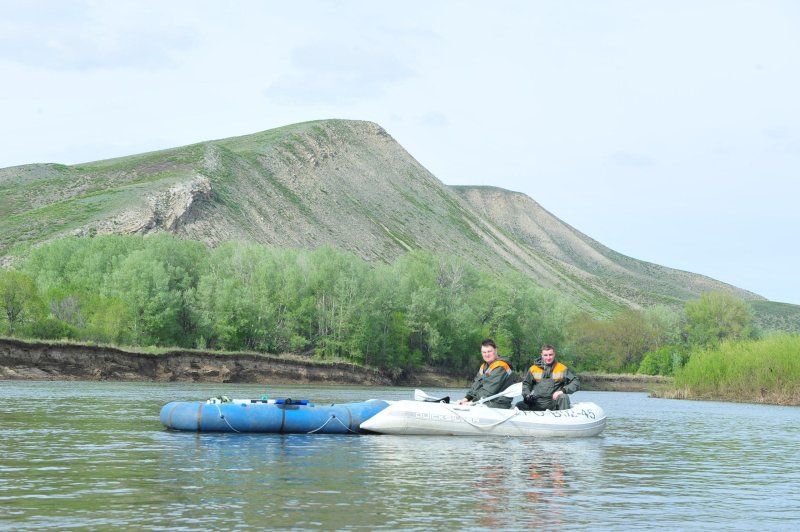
548	354
489	351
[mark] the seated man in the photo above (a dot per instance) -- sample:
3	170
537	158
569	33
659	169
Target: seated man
547	384
493	377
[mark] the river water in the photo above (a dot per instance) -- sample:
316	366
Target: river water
93	455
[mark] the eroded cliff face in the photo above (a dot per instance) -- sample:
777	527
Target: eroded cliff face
21	360
40	361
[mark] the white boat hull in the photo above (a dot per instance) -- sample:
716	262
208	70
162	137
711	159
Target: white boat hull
416	417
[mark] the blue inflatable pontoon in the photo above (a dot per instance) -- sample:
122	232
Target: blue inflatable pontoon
282	416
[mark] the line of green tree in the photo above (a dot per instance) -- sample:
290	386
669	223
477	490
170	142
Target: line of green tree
422	309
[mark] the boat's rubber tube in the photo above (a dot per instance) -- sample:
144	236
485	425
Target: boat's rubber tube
259	416
418	417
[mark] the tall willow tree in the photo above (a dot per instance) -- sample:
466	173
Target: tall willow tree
338	283
19	301
616	344
236	299
717	316
157	283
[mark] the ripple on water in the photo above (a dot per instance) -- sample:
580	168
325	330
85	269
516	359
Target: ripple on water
93	455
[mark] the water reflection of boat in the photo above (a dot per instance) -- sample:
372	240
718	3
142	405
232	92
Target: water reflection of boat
255	415
436	418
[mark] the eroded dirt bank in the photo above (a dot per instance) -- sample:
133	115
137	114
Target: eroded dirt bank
42	361
21	360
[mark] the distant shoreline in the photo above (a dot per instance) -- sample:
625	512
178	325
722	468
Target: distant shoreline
37	360
610	382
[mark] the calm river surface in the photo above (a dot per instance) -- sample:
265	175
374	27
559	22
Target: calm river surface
92	455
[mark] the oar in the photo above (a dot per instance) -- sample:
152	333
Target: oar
512	391
419	395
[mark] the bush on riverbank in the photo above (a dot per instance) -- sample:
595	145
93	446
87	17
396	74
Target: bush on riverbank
758	371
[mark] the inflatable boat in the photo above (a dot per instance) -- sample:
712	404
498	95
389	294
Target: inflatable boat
425	415
281	416
439	418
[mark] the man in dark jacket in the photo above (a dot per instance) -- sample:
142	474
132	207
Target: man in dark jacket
547	383
493	377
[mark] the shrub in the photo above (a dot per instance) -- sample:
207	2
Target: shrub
664	361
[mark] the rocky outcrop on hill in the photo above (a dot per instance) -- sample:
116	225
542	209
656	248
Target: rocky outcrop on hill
167	210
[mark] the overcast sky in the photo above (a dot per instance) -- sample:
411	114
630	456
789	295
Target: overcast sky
667	130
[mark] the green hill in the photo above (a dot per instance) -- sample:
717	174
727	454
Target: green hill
346	184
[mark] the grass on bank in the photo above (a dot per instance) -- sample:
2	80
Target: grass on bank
758	371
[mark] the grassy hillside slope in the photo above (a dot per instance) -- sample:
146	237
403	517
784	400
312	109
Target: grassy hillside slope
346	184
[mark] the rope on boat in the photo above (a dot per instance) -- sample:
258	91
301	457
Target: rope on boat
333	416
222	416
488	426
